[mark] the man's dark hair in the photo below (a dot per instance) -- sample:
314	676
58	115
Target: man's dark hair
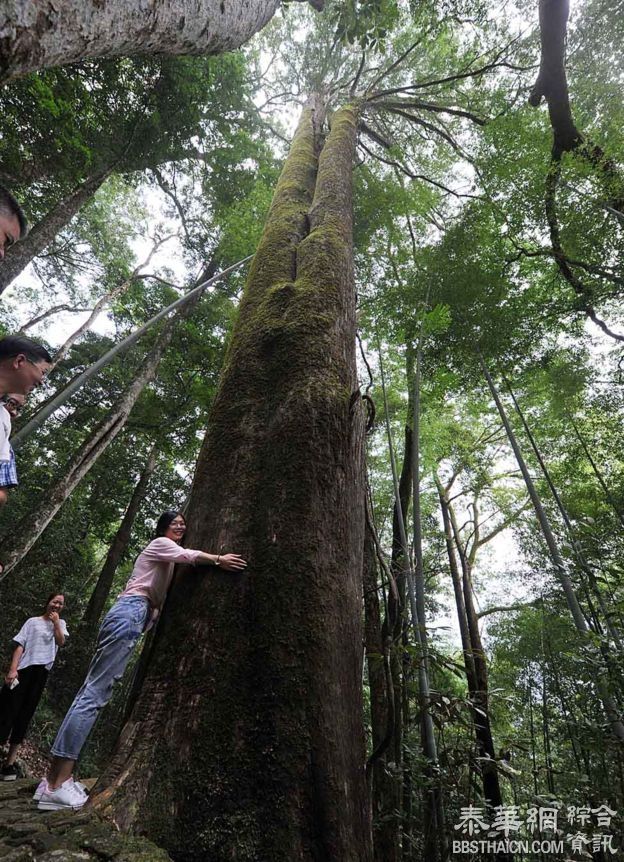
13	345
9	205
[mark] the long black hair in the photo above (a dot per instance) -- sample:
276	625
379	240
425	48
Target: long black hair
165	521
50	597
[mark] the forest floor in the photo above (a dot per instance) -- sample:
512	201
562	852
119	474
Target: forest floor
61	836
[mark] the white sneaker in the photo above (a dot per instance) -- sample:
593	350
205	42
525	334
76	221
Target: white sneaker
81	787
41	787
68	795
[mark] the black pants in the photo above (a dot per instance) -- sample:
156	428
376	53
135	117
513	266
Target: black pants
18	705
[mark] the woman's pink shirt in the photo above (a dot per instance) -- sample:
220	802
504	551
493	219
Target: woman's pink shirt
153	570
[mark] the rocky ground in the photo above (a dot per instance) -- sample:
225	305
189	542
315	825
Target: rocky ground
61	836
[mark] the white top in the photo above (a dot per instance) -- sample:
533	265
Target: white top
5	433
37	638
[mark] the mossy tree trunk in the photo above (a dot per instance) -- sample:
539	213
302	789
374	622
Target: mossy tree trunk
246	742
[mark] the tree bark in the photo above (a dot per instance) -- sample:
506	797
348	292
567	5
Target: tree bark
30	528
383	787
480	694
247	739
20	255
552	83
37	35
97	601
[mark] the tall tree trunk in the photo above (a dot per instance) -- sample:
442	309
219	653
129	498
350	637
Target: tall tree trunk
97	601
27	532
480	695
383	787
427	735
610	706
474	659
435	837
247	740
37	35
20	255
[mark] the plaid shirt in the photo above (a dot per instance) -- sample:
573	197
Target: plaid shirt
8	472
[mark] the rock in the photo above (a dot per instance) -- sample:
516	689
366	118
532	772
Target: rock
30	835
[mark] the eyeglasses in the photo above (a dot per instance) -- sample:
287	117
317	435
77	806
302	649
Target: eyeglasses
42	372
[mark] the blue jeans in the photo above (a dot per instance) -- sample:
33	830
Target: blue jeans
120	630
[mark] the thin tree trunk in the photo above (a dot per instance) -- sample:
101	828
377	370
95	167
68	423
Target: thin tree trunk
393	630
247	738
37	35
597	473
480	695
438	833
59	398
27	532
582	562
99	596
532	729
428	734
382	791
75	659
474	662
462	617
106	299
564	708
20	255
55	309
611	709
550	778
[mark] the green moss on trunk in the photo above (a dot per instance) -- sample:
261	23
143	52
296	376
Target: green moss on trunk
246	743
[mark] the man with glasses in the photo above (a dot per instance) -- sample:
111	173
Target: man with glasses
13	224
11	406
23	364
